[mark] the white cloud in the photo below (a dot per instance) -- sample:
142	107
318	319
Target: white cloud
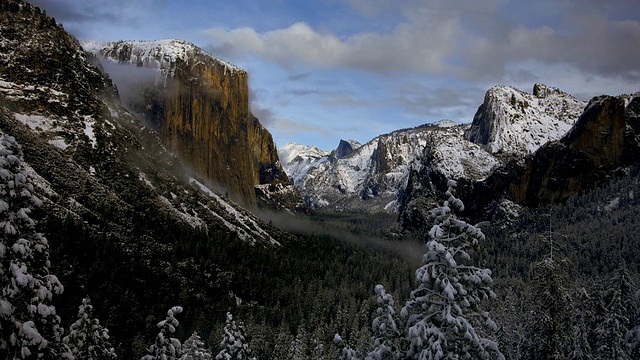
417	46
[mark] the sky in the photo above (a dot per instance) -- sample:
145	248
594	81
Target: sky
321	71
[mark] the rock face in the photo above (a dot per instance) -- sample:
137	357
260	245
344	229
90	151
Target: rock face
200	106
514	124
373	177
115	200
604	138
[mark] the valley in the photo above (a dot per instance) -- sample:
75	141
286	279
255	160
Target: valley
134	174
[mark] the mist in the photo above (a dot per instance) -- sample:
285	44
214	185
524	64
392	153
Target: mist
408	248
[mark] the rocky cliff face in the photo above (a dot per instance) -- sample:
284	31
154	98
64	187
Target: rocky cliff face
115	200
514	124
604	138
373	177
200	106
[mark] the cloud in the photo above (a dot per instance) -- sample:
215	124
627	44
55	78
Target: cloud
446	101
405	48
459	38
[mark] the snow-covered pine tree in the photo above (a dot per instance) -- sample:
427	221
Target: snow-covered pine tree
633	336
614	324
385	329
444	311
298	348
29	325
583	319
166	347
549	327
234	343
87	339
193	349
347	352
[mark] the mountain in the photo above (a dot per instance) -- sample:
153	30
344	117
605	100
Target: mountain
371	177
199	105
513	123
602	144
123	214
605	139
298	160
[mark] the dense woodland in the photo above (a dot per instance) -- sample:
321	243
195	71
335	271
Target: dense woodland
565	280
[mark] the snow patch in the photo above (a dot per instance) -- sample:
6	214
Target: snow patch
248	226
89	122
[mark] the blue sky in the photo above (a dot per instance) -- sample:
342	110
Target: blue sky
321	71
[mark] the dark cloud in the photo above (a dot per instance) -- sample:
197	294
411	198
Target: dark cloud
451	102
298	77
75	11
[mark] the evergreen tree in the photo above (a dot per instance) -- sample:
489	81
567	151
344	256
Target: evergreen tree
166	347
633	336
347	352
549	329
385	330
29	325
443	312
234	343
298	348
583	318
282	343
87	339
193	349
613	326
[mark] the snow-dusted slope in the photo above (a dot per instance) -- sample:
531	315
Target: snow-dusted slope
297	160
515	123
159	54
374	174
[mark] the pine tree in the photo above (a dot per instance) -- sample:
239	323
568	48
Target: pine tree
234	343
443	312
193	349
633	336
298	348
385	330
166	347
87	339
347	352
583	318
613	326
29	325
550	326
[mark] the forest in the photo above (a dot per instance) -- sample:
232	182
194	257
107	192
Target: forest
557	282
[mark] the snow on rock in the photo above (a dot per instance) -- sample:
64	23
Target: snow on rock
516	123
37	122
297	160
246	227
163	55
373	175
193	220
88	130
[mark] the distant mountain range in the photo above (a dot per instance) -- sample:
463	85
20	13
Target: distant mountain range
509	125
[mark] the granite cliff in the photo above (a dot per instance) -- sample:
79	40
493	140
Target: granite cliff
200	106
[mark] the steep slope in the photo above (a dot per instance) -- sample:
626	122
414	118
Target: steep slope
372	177
606	137
601	145
298	160
200	106
514	123
122	214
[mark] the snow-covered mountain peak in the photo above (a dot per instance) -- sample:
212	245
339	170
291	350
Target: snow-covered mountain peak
371	176
158	54
516	123
297	160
